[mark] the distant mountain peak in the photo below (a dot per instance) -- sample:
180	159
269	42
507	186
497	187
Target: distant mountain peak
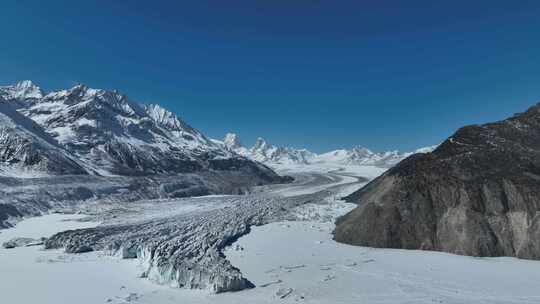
165	117
260	143
361	151
232	141
26	84
269	154
21	90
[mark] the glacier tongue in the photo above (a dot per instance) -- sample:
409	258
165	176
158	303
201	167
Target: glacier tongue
186	249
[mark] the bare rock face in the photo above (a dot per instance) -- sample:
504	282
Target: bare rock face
477	194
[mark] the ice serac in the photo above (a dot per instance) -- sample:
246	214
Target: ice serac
477	194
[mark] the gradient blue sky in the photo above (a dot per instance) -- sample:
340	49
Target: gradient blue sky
315	74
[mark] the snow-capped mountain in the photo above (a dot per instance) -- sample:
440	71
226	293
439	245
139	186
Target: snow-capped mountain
21	91
27	150
267	153
264	152
232	143
91	131
273	155
109	134
364	156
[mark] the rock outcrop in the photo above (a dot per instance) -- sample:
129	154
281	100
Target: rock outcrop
477	194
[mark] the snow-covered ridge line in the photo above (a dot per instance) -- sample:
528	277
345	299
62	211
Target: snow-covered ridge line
273	155
107	134
112	135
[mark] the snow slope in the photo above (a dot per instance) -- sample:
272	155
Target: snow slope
27	150
302	257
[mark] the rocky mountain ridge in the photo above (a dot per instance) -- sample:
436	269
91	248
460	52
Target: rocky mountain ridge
476	194
109	134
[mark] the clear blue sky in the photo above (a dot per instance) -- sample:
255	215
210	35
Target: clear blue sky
315	74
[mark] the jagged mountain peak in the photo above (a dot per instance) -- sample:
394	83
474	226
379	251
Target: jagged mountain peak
165	118
265	152
27	85
232	141
21	90
361	151
260	143
86	96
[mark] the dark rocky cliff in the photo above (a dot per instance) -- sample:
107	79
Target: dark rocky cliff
477	194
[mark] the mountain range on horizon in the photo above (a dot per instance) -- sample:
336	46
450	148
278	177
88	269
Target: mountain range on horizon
273	155
89	131
82	130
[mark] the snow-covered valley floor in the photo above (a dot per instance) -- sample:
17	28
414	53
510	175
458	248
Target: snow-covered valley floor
303	257
289	262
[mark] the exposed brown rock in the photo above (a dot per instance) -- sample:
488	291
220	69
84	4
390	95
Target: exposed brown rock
477	194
